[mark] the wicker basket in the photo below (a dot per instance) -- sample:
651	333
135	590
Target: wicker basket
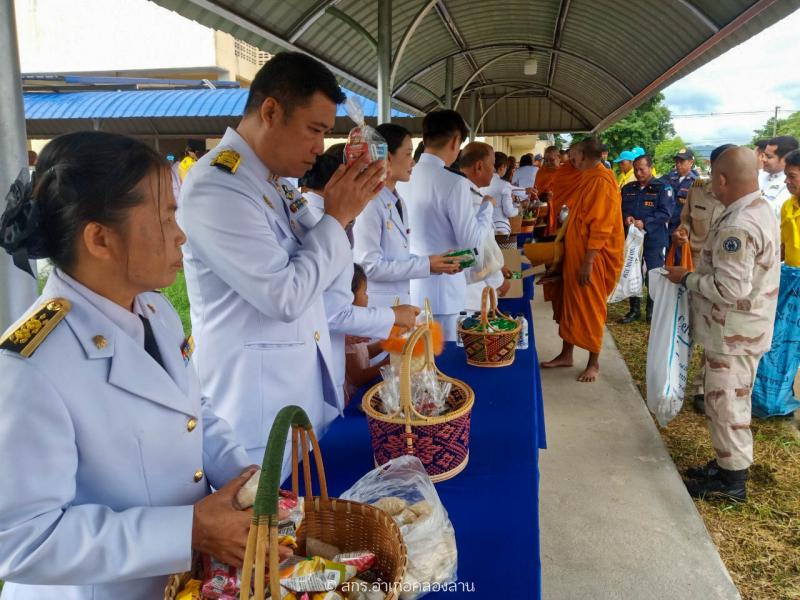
527	225
441	443
491	347
506	242
350	526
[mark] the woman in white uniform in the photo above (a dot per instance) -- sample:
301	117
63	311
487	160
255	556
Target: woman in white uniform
108	450
500	190
382	234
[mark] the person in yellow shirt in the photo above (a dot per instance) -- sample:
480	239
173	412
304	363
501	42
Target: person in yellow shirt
625	162
195	149
790	212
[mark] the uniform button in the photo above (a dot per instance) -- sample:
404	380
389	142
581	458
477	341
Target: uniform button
198	475
316	335
191	424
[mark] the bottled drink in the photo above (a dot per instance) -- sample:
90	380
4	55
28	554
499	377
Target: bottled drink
522	341
461	317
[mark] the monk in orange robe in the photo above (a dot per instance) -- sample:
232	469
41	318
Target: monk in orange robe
593	256
544	183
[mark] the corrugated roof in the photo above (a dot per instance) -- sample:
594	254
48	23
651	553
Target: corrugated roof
598	59
151	112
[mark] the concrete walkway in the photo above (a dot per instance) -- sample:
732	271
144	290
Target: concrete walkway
616	521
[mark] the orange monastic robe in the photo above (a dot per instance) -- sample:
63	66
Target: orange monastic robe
595	223
565	181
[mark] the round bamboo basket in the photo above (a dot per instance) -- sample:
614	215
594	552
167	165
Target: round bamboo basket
441	443
350	526
491	347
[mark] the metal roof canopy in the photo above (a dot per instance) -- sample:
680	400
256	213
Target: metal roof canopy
154	113
598	59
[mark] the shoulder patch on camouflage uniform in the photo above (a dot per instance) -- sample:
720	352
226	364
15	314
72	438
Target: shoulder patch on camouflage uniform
732	244
227	160
29	332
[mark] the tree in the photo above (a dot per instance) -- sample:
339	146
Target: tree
788	126
647	126
664	155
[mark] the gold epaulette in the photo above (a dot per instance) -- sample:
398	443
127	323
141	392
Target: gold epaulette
227	160
699	182
25	336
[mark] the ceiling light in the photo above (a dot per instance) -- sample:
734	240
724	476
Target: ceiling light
531	66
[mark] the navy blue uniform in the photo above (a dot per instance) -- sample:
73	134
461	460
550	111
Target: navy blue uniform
681	192
652	205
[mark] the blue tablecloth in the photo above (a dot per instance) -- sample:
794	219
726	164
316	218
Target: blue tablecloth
494	502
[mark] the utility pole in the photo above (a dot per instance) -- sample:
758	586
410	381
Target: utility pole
775	123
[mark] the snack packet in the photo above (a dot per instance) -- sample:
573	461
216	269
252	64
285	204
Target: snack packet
363	139
360	560
221	581
287	528
314	574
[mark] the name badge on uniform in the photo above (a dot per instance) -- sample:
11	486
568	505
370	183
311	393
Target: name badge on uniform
649	204
187	349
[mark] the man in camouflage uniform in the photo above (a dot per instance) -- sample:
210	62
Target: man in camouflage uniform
733	301
698	213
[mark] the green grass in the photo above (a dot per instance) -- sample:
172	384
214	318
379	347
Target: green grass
758	541
176	294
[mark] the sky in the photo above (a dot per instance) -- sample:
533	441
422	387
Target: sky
757	75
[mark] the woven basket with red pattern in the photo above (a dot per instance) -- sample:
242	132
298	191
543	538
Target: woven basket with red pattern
441	443
490	347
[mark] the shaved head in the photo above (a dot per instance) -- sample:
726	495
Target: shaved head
735	174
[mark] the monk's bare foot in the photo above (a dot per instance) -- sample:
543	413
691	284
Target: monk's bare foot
589	375
562	360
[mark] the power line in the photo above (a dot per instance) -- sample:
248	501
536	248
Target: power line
737	113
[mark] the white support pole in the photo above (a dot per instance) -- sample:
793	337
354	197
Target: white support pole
17	289
384	60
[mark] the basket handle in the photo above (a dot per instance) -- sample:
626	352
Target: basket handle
264	526
423	332
489	305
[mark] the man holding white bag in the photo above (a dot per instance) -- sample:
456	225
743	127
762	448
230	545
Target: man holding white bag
733	301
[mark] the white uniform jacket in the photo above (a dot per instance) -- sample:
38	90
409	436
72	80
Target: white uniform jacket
500	190
442	218
382	247
345	319
257	263
103	454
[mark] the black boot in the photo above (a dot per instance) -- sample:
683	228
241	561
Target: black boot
635	312
649	309
700	403
726	485
710	469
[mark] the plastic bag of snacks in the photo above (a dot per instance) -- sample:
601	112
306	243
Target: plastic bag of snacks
402	488
362	139
428	393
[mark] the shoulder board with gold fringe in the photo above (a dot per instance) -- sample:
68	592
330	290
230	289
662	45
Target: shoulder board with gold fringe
227	160
699	182
28	333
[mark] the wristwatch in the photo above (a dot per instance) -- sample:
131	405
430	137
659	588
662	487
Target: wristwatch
684	279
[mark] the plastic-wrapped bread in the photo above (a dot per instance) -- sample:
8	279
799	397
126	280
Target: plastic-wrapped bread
246	496
391	504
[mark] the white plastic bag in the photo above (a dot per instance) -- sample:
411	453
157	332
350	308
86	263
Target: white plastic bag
402	488
630	281
669	348
489	260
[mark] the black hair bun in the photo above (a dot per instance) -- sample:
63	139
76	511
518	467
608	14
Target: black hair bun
20	233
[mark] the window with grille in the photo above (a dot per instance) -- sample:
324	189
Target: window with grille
250	53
